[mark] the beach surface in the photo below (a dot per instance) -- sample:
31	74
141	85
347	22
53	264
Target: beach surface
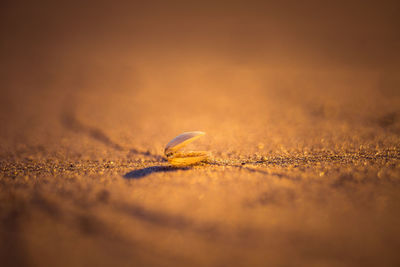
301	112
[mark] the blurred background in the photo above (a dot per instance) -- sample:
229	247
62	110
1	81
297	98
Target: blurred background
135	69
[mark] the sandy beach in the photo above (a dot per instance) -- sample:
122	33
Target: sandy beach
301	108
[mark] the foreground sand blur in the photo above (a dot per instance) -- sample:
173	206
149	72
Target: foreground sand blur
301	114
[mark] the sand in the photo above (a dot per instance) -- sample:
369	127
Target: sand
302	120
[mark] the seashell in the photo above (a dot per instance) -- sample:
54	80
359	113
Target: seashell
184	158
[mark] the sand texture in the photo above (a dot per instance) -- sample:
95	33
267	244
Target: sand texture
300	103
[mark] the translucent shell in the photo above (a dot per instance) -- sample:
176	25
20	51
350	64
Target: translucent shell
184	158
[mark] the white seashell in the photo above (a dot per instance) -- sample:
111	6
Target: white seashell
181	158
181	141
